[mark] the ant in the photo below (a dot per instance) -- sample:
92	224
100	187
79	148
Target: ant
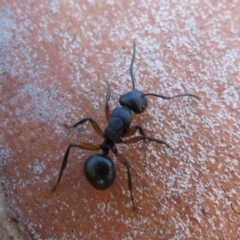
99	169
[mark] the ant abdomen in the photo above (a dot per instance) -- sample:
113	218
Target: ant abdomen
100	171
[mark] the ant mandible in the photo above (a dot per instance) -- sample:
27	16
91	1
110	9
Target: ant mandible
99	169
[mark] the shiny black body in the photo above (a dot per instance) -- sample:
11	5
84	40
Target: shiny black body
134	100
119	122
99	169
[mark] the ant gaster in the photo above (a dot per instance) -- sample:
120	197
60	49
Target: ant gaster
99	169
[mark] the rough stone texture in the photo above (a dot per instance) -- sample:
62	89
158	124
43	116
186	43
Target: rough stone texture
55	58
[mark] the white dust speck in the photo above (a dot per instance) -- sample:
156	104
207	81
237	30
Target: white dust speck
53	7
37	166
231	97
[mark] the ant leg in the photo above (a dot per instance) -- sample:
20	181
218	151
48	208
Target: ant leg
86	146
107	110
132	130
139	138
126	163
93	122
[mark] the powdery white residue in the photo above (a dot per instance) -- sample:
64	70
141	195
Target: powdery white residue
6	26
231	97
53	7
37	166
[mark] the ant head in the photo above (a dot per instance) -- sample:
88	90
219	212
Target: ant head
100	171
134	100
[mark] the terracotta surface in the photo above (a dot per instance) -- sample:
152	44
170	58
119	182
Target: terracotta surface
55	59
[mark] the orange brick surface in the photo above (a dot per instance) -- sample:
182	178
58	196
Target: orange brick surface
55	60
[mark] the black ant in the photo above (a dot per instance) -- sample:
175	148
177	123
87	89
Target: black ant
99	169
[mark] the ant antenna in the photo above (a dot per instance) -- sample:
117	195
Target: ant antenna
184	88
108	93
171	97
186	94
131	65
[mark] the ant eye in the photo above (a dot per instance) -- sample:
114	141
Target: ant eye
143	106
